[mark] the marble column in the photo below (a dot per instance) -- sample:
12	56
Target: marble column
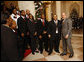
58	9
48	12
23	5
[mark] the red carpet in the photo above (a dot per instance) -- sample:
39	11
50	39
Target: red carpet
27	52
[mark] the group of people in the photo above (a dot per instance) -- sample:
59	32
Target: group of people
21	30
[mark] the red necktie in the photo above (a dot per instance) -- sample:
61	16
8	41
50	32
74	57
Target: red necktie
43	23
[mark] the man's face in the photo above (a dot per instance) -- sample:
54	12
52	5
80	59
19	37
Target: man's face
30	16
42	16
55	17
17	8
10	19
23	13
63	15
14	11
27	12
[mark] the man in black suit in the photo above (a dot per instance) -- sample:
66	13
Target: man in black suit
28	39
54	33
21	22
9	50
42	33
32	32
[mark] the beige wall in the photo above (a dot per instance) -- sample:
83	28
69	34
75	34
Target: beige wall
23	5
67	7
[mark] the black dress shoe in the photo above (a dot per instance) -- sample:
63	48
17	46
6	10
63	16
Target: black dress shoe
49	53
71	55
57	51
46	50
62	54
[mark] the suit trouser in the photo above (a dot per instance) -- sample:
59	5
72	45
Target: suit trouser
27	41
21	47
54	42
67	43
43	42
33	43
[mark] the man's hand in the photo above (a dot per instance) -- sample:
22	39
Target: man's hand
40	36
66	37
27	33
35	33
49	36
44	32
22	34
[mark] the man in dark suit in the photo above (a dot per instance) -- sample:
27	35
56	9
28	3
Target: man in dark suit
54	33
28	39
9	50
66	35
21	22
32	32
42	33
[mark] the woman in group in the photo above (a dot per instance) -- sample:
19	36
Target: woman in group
32	32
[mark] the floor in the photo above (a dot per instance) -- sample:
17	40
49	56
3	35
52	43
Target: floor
77	44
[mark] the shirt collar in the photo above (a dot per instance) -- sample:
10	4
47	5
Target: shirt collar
23	17
56	20
42	20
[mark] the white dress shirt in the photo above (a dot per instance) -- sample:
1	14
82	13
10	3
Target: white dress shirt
56	24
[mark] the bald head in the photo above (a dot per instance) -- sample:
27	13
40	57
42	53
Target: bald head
27	11
63	15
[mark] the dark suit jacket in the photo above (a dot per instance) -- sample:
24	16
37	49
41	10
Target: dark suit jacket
9	51
40	27
31	27
21	25
52	28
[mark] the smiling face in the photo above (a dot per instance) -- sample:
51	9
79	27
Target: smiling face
23	13
14	11
42	16
63	15
30	16
55	17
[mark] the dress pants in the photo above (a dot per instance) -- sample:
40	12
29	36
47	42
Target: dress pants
21	47
54	42
33	43
43	42
67	43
